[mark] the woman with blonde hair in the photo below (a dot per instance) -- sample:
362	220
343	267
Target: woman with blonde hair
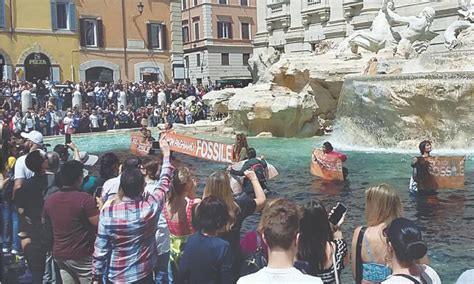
218	185
178	212
382	205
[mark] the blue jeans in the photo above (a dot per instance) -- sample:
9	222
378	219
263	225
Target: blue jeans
59	103
10	216
163	274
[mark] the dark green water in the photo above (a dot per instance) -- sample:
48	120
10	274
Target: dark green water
447	218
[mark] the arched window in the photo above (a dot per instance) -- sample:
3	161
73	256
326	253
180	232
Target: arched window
100	74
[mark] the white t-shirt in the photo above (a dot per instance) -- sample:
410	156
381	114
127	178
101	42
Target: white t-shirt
162	234
110	188
21	171
94	120
67	121
161	98
428	274
279	275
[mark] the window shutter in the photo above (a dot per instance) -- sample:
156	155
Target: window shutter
100	33
164	38
72	17
2	13
82	32
230	30
54	16
219	29
149	43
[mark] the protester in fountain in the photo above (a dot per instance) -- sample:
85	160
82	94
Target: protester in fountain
178	212
281	233
239	151
420	168
140	211
329	151
149	169
322	250
29	200
206	257
218	185
405	248
256	165
382	205
111	186
73	216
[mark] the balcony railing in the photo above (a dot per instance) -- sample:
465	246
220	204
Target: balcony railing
313	2
278	8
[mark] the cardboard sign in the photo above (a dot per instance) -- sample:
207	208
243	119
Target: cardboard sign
200	148
326	167
138	145
444	173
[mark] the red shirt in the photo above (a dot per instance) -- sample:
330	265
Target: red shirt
341	156
69	213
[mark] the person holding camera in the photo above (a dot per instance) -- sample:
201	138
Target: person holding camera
322	250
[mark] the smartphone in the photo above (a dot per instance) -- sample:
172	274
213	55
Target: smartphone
98	191
68	138
339	211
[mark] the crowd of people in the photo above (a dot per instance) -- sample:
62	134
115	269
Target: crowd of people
104	106
140	221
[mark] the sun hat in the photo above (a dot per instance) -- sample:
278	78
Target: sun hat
88	160
34	136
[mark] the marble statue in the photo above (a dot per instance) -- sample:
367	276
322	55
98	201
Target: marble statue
416	35
261	61
379	36
451	38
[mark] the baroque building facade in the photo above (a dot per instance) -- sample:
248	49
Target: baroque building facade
301	25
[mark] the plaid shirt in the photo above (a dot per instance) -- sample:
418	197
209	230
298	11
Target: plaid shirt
125	247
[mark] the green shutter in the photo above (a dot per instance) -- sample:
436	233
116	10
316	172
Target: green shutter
2	13
54	16
72	17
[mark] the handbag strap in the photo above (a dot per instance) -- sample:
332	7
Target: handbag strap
334	264
259	240
359	255
409	277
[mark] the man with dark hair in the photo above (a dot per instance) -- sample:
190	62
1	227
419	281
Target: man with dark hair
256	165
29	199
111	187
280	226
113	252
73	216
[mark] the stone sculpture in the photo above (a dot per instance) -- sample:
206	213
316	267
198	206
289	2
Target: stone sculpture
379	37
451	35
416	35
261	61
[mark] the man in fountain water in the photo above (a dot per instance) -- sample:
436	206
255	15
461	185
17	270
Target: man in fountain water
329	151
420	168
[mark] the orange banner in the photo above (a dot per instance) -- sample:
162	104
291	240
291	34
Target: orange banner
445	173
138	145
200	148
326	167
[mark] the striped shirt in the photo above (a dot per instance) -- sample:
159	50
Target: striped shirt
125	247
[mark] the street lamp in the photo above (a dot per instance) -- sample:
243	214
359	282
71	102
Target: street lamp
140	7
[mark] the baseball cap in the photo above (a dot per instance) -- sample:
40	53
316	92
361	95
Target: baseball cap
88	160
34	136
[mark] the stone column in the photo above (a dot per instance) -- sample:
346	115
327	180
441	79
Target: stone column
261	15
122	99
77	100
26	101
371	7
295	13
336	11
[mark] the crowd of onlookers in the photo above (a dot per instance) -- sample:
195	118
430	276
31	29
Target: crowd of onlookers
104	106
139	220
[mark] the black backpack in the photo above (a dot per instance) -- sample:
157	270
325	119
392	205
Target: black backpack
255	261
